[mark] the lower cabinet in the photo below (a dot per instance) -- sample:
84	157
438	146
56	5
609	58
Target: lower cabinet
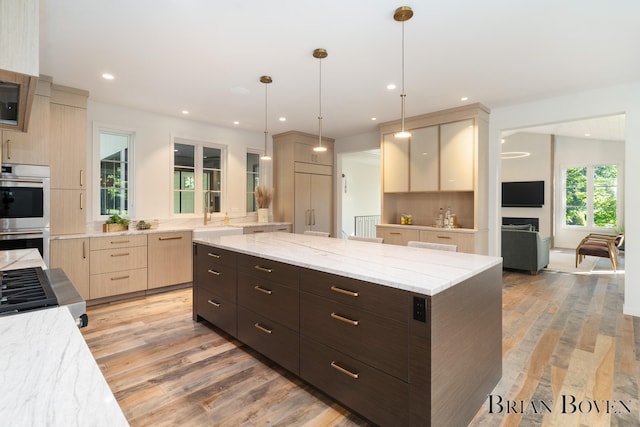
118	265
169	259
467	240
464	241
72	255
397	236
268	228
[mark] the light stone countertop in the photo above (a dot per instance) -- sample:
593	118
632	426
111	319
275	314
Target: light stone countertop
49	376
424	271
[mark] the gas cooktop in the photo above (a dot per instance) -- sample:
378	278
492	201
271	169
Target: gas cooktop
25	289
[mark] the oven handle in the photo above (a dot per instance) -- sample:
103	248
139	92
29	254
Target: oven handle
8	235
23	180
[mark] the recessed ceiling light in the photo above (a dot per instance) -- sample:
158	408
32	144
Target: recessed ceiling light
373	119
283	119
107	76
587	134
464	98
236	122
185	112
391	86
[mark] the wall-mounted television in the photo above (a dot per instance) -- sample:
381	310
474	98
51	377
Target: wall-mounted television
523	194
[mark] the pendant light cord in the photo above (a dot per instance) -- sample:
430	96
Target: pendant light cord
403	95
320	106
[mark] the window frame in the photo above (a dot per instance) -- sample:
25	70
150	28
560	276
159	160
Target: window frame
199	146
259	174
98	130
590	225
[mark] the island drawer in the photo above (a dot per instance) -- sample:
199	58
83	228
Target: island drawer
375	340
269	270
219	311
364	389
275	341
218	279
270	299
388	302
210	256
114	242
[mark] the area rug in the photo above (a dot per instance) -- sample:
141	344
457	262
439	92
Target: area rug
564	261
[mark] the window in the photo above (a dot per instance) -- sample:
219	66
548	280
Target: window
253	180
591	196
197	177
114	172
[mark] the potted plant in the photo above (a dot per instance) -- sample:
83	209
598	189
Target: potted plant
115	223
263	198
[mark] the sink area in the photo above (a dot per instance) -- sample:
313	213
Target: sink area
215	231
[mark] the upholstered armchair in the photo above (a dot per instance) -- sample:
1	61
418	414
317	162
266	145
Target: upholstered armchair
524	249
600	245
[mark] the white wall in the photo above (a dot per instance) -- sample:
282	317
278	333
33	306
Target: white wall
535	167
359	188
579	152
594	103
153	141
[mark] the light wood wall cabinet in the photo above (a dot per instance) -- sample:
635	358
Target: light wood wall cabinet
170	260
68	122
303	182
72	255
31	147
443	164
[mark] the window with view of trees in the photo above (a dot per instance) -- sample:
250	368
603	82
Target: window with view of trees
197	170
253	180
114	172
591	196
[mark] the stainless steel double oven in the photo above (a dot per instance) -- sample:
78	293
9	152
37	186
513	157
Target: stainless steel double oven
24	208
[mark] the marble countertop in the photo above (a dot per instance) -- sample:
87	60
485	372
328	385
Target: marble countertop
424	271
21	258
49	376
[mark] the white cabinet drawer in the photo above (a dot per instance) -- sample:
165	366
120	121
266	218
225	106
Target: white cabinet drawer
121	259
119	282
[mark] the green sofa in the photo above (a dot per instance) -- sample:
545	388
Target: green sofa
523	249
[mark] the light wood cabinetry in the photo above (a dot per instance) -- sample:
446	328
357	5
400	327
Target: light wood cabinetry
465	241
31	147
169	259
267	228
443	164
396	235
118	265
303	182
72	255
68	160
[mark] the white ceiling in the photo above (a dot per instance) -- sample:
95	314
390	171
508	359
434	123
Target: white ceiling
206	56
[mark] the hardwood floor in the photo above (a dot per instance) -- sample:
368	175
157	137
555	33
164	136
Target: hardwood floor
565	342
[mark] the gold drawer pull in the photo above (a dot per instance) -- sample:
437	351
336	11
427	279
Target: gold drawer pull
263	290
214	255
213	303
170	238
120	278
344	291
257	231
217	273
353	375
444	237
262	328
122	254
117	242
265	269
395	233
344	319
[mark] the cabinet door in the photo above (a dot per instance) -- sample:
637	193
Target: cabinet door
170	261
396	236
456	156
395	161
321	186
424	156
30	147
302	205
68	146
68	209
464	241
72	255
305	153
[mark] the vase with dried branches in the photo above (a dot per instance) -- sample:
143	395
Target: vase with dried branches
264	195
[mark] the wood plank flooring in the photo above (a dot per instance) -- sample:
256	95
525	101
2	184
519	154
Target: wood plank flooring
565	342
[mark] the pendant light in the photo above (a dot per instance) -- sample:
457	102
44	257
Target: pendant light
320	54
403	13
266	80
